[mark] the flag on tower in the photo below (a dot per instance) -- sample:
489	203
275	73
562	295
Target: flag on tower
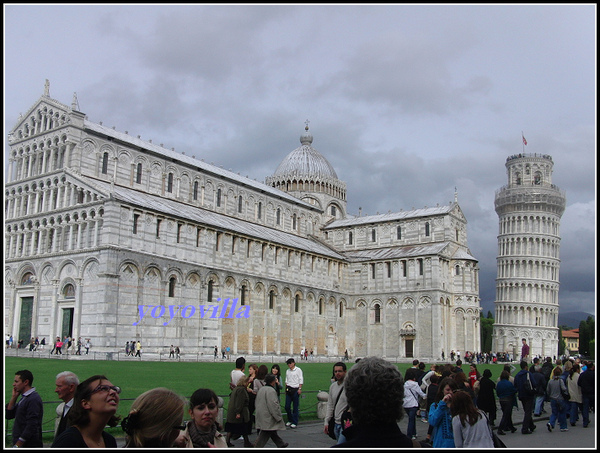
524	141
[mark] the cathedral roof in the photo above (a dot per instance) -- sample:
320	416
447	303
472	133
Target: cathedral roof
214	219
192	161
305	162
391	216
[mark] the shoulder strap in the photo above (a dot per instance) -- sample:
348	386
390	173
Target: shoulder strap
337	399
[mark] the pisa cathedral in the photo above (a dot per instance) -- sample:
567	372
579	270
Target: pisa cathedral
101	225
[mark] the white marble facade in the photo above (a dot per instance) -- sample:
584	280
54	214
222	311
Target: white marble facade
529	208
112	238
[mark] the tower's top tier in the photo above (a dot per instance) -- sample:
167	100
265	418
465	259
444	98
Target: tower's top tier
530	186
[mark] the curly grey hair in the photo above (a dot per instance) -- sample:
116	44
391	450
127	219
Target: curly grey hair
375	391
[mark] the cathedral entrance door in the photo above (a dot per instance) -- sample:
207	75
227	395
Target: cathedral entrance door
408	348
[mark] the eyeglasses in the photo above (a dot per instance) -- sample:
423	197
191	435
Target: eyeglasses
107	388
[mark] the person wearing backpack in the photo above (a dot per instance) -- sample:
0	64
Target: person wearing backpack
526	390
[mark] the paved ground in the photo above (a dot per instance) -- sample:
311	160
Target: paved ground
310	435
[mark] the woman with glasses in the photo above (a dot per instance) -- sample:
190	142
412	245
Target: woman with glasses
203	430
155	419
95	404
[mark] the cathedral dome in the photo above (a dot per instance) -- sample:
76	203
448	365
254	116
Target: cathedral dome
305	161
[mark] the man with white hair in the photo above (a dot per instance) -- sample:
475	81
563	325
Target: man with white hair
66	384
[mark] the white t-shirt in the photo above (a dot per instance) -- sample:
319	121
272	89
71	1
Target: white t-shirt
235	376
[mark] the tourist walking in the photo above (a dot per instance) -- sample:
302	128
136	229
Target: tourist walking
469	424
575	401
556	389
587	383
506	392
526	388
238	415
412	393
486	400
336	403
268	415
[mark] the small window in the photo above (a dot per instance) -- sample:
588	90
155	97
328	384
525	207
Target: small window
373	235
195	193
259	209
426	228
377	310
105	163
179	227
333	211
209	292
420	260
350	238
457	269
170	183
399	232
219	198
243	295
271	300
240	204
297	303
138	174
278	216
172	282
158	222
136	218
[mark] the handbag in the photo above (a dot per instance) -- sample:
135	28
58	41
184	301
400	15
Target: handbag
495	439
565	392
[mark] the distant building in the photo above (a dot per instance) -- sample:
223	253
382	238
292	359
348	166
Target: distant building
571	338
529	208
113	238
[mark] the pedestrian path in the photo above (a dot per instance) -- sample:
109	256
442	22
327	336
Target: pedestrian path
310	434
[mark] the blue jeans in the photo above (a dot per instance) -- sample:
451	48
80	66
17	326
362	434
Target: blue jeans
338	433
291	396
539	404
412	421
585	410
559	410
574	411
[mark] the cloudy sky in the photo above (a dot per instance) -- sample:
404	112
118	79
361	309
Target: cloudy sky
406	102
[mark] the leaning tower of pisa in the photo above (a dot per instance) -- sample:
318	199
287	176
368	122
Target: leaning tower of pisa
529	208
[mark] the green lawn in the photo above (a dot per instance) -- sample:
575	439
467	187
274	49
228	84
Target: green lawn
136	377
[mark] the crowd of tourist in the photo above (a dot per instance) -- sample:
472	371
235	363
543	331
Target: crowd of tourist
458	408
